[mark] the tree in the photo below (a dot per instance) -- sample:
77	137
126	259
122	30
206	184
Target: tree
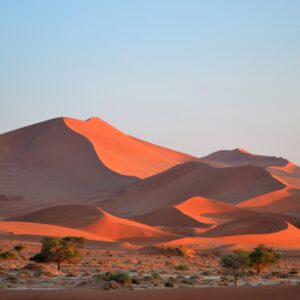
262	257
59	250
8	255
236	263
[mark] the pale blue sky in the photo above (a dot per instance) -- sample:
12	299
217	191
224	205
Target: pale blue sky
197	76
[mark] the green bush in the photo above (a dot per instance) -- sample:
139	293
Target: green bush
120	276
182	267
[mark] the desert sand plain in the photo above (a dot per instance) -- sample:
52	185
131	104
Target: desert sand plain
136	204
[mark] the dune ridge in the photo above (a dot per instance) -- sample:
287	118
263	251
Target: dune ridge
124	154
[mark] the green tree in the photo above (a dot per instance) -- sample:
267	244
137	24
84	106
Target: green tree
8	255
59	250
236	263
262	257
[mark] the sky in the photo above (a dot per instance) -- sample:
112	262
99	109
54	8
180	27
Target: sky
196	76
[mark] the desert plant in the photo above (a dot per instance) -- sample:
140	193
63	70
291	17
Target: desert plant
120	277
8	255
236	263
59	250
262	257
182	267
19	247
156	276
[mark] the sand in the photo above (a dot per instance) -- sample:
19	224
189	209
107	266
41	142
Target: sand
245	293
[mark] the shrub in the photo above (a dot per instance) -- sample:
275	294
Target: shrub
180	251
156	276
120	277
182	267
19	247
262	257
59	250
8	255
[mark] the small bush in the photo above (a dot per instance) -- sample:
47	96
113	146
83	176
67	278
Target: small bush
180	251
156	276
120	277
182	267
19	247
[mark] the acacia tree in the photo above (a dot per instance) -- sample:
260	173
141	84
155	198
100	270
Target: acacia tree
262	257
236	263
59	250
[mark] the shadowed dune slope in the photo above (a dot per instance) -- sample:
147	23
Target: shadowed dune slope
254	225
50	162
231	185
92	220
241	157
124	154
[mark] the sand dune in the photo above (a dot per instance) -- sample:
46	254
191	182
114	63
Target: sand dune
231	185
288	174
258	224
280	168
285	201
37	229
241	157
124	154
93	221
288	238
48	162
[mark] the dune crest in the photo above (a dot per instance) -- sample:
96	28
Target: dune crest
124	154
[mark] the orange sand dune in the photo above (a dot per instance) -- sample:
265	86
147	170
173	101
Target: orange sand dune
93	221
288	238
196	212
231	185
37	229
124	154
48	163
284	201
211	211
288	174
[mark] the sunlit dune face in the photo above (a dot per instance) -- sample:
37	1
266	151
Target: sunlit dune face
124	154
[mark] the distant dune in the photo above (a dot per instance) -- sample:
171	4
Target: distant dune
279	167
